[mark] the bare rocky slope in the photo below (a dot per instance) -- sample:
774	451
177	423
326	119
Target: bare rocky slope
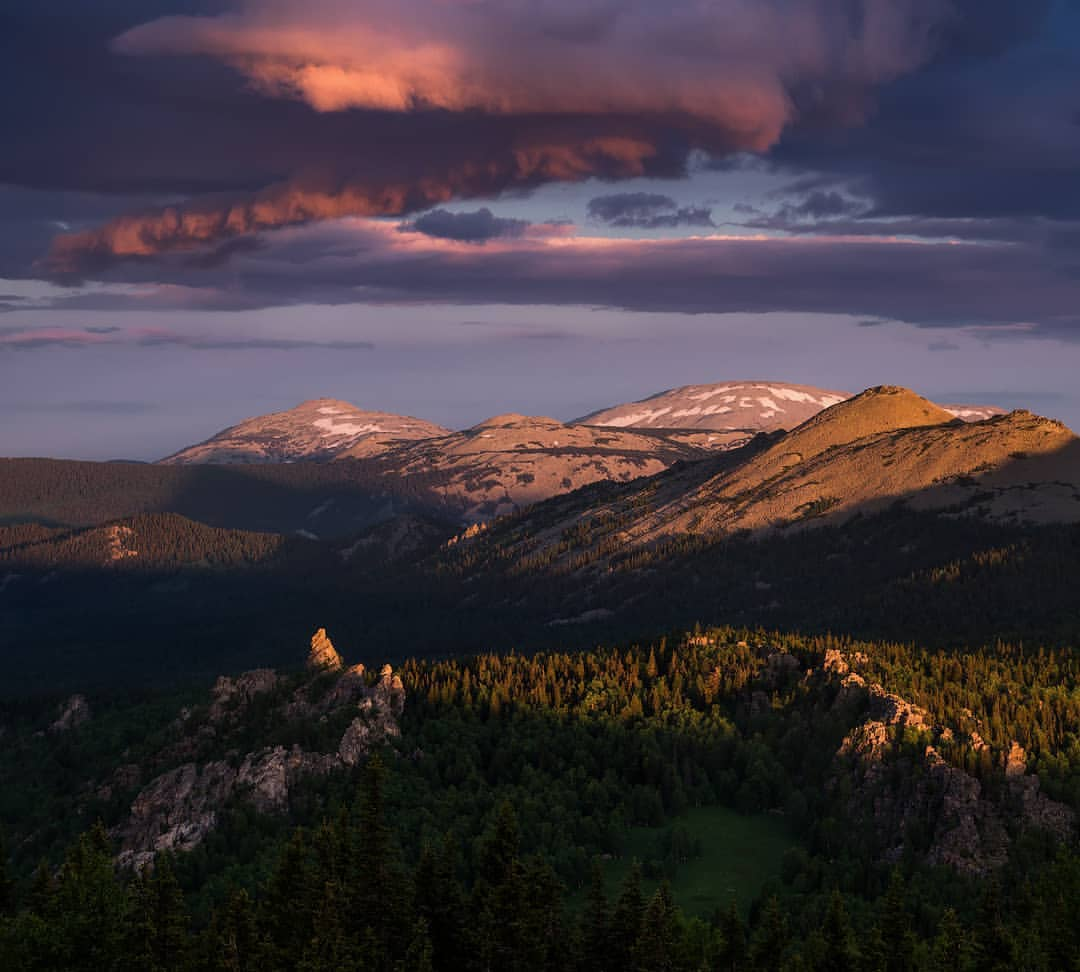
758	406
859	456
319	429
512	461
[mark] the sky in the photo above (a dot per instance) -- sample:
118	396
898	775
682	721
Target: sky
211	209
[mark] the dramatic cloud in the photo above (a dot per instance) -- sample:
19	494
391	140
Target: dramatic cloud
645	210
1015	289
317	198
727	64
501	95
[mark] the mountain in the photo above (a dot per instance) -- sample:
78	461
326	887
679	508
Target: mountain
510	461
762	406
974	413
759	406
315	430
859	456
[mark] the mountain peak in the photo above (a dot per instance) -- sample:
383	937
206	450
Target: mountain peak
755	406
515	419
318	429
759	406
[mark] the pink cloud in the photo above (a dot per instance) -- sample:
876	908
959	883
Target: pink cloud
581	88
725	63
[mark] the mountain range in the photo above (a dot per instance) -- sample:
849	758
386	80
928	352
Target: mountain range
325	428
540	531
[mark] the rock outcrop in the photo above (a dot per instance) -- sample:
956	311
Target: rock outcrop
180	806
232	695
322	654
72	714
963	827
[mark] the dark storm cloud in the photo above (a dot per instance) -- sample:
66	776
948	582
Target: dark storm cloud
646	210
475	227
1007	290
282	112
987	132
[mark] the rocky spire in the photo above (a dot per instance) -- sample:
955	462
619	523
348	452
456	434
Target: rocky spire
322	654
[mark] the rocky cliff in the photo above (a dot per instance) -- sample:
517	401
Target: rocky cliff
901	784
202	770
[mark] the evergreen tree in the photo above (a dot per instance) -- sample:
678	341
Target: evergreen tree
88	908
873	954
895	927
331	948
438	902
626	919
420	955
770	939
950	950
993	947
286	909
158	921
656	945
231	943
376	889
499	897
733	949
838	943
594	947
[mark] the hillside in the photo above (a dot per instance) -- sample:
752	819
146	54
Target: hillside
511	461
680	794
859	456
315	430
756	406
496	467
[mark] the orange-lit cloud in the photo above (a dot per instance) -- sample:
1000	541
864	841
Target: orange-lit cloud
726	63
185	227
577	88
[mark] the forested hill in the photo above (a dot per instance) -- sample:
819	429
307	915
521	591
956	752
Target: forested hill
326	499
718	799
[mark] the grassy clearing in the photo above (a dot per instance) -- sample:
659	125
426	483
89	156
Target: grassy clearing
739	854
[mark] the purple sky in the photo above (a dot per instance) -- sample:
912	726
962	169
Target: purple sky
212	209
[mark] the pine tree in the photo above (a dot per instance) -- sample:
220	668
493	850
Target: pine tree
770	940
993	951
88	907
950	952
838	953
42	889
656	945
500	896
375	889
331	948
595	925
438	901
158	920
896	934
733	950
420	955
231	943
626	919
286	911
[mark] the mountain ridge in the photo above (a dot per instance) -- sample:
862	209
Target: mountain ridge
317	429
758	405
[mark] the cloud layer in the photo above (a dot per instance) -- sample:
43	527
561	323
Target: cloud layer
502	95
